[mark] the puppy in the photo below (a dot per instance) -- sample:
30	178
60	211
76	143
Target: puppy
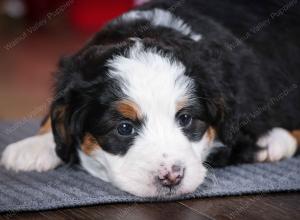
165	87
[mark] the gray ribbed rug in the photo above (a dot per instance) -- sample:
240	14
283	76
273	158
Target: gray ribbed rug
71	186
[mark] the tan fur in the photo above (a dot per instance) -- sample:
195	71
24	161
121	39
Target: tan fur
181	104
45	126
129	109
89	144
60	127
296	134
211	133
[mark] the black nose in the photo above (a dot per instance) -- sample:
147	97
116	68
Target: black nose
172	177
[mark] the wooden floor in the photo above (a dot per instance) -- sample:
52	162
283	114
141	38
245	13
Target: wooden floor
25	82
271	206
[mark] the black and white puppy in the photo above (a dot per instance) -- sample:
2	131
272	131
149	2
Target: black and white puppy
148	100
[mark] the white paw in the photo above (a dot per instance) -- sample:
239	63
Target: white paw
276	145
35	153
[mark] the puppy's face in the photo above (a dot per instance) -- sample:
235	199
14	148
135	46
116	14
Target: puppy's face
145	127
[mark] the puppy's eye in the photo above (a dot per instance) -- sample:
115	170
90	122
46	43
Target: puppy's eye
185	120
125	129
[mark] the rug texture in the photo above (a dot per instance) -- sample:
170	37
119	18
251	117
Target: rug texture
71	186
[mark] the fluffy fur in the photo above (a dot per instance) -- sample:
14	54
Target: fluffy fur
33	153
187	82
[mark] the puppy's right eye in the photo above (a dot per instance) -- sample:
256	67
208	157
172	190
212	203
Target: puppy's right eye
125	129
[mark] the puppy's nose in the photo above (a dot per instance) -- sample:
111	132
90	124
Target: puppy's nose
171	177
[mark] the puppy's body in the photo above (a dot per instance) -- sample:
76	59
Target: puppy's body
143	104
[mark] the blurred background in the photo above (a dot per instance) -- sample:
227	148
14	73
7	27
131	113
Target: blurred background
34	34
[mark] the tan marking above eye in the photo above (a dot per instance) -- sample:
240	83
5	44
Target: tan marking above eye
89	144
129	109
181	104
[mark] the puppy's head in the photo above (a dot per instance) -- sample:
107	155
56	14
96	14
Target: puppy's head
134	115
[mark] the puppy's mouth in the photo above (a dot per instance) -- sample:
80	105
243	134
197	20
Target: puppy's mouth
161	191
169	192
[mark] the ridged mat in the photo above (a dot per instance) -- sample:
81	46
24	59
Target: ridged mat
71	186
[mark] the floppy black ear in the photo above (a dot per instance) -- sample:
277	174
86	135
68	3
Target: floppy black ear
67	122
66	112
60	121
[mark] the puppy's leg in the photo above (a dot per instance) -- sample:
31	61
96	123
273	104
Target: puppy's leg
276	145
35	153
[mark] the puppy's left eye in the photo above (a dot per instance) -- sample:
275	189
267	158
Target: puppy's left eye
185	120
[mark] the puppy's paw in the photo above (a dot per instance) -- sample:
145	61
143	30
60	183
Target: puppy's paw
276	145
35	153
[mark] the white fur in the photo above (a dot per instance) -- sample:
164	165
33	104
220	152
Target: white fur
95	163
164	18
155	84
35	153
277	144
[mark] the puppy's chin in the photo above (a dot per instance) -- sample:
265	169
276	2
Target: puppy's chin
148	187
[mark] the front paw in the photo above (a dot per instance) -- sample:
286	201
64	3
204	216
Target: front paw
35	153
276	145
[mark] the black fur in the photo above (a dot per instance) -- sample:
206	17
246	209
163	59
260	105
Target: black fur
246	68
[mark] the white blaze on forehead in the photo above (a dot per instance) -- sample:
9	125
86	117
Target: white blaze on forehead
152	80
164	18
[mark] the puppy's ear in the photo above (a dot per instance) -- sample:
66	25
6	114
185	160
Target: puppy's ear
67	125
216	110
65	143
225	120
63	112
222	120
